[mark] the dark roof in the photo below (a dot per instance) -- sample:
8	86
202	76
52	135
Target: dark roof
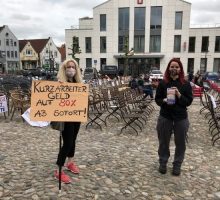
37	44
1	28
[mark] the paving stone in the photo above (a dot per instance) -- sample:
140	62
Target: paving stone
112	166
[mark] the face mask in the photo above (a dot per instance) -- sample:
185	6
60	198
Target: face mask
173	72
70	72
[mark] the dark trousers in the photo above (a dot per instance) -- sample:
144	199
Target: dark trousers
165	128
69	135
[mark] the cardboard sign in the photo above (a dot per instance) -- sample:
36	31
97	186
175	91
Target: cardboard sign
3	104
55	101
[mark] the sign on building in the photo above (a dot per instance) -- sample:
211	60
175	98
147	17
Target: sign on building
3	104
55	101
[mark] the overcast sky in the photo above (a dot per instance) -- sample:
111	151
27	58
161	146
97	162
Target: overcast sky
43	18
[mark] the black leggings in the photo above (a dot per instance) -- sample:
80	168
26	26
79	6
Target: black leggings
69	135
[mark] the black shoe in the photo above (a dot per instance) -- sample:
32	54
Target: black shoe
176	171
162	169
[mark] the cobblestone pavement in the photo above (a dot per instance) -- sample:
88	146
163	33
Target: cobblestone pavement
112	166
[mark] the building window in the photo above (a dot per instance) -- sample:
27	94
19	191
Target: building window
102	44
7	42
8	54
88	41
28	52
190	66
139	42
16	54
12	54
217	44
139	19
11	42
205	44
156	17
177	43
155	43
0	42
15	44
178	20
122	43
216	67
103	22
203	65
102	63
123	20
88	62
192	44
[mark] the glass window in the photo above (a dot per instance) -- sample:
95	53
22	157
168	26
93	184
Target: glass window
123	20
139	42
139	19
178	20
0	42
102	44
192	44
28	52
156	17
203	65
102	63
155	43
216	67
7	42
217	44
88	41
12	54
55	54
177	43
15	44
205	44
11	42
190	66
8	54
123	43
88	62
103	22
16	54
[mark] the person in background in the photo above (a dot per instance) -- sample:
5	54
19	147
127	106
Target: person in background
68	72
147	88
173	116
133	83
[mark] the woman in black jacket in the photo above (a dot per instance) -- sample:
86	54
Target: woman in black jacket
69	71
173	116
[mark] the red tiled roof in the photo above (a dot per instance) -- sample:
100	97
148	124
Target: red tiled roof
62	51
37	44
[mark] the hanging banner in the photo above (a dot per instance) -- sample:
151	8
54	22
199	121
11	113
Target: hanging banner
3	104
55	101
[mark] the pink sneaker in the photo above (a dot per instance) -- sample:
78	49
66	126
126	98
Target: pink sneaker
72	167
64	178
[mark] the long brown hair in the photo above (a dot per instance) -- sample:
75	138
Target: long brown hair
181	74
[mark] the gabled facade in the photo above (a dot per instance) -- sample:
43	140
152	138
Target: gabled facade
157	30
41	53
9	50
29	58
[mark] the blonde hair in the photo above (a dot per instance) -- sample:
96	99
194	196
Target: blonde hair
61	75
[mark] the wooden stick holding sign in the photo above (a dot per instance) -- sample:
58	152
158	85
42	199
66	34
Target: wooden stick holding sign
55	101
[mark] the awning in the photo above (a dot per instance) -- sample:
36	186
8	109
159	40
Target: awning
150	55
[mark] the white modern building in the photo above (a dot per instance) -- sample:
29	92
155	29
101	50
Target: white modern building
9	50
157	30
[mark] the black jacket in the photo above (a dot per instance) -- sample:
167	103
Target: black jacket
177	111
